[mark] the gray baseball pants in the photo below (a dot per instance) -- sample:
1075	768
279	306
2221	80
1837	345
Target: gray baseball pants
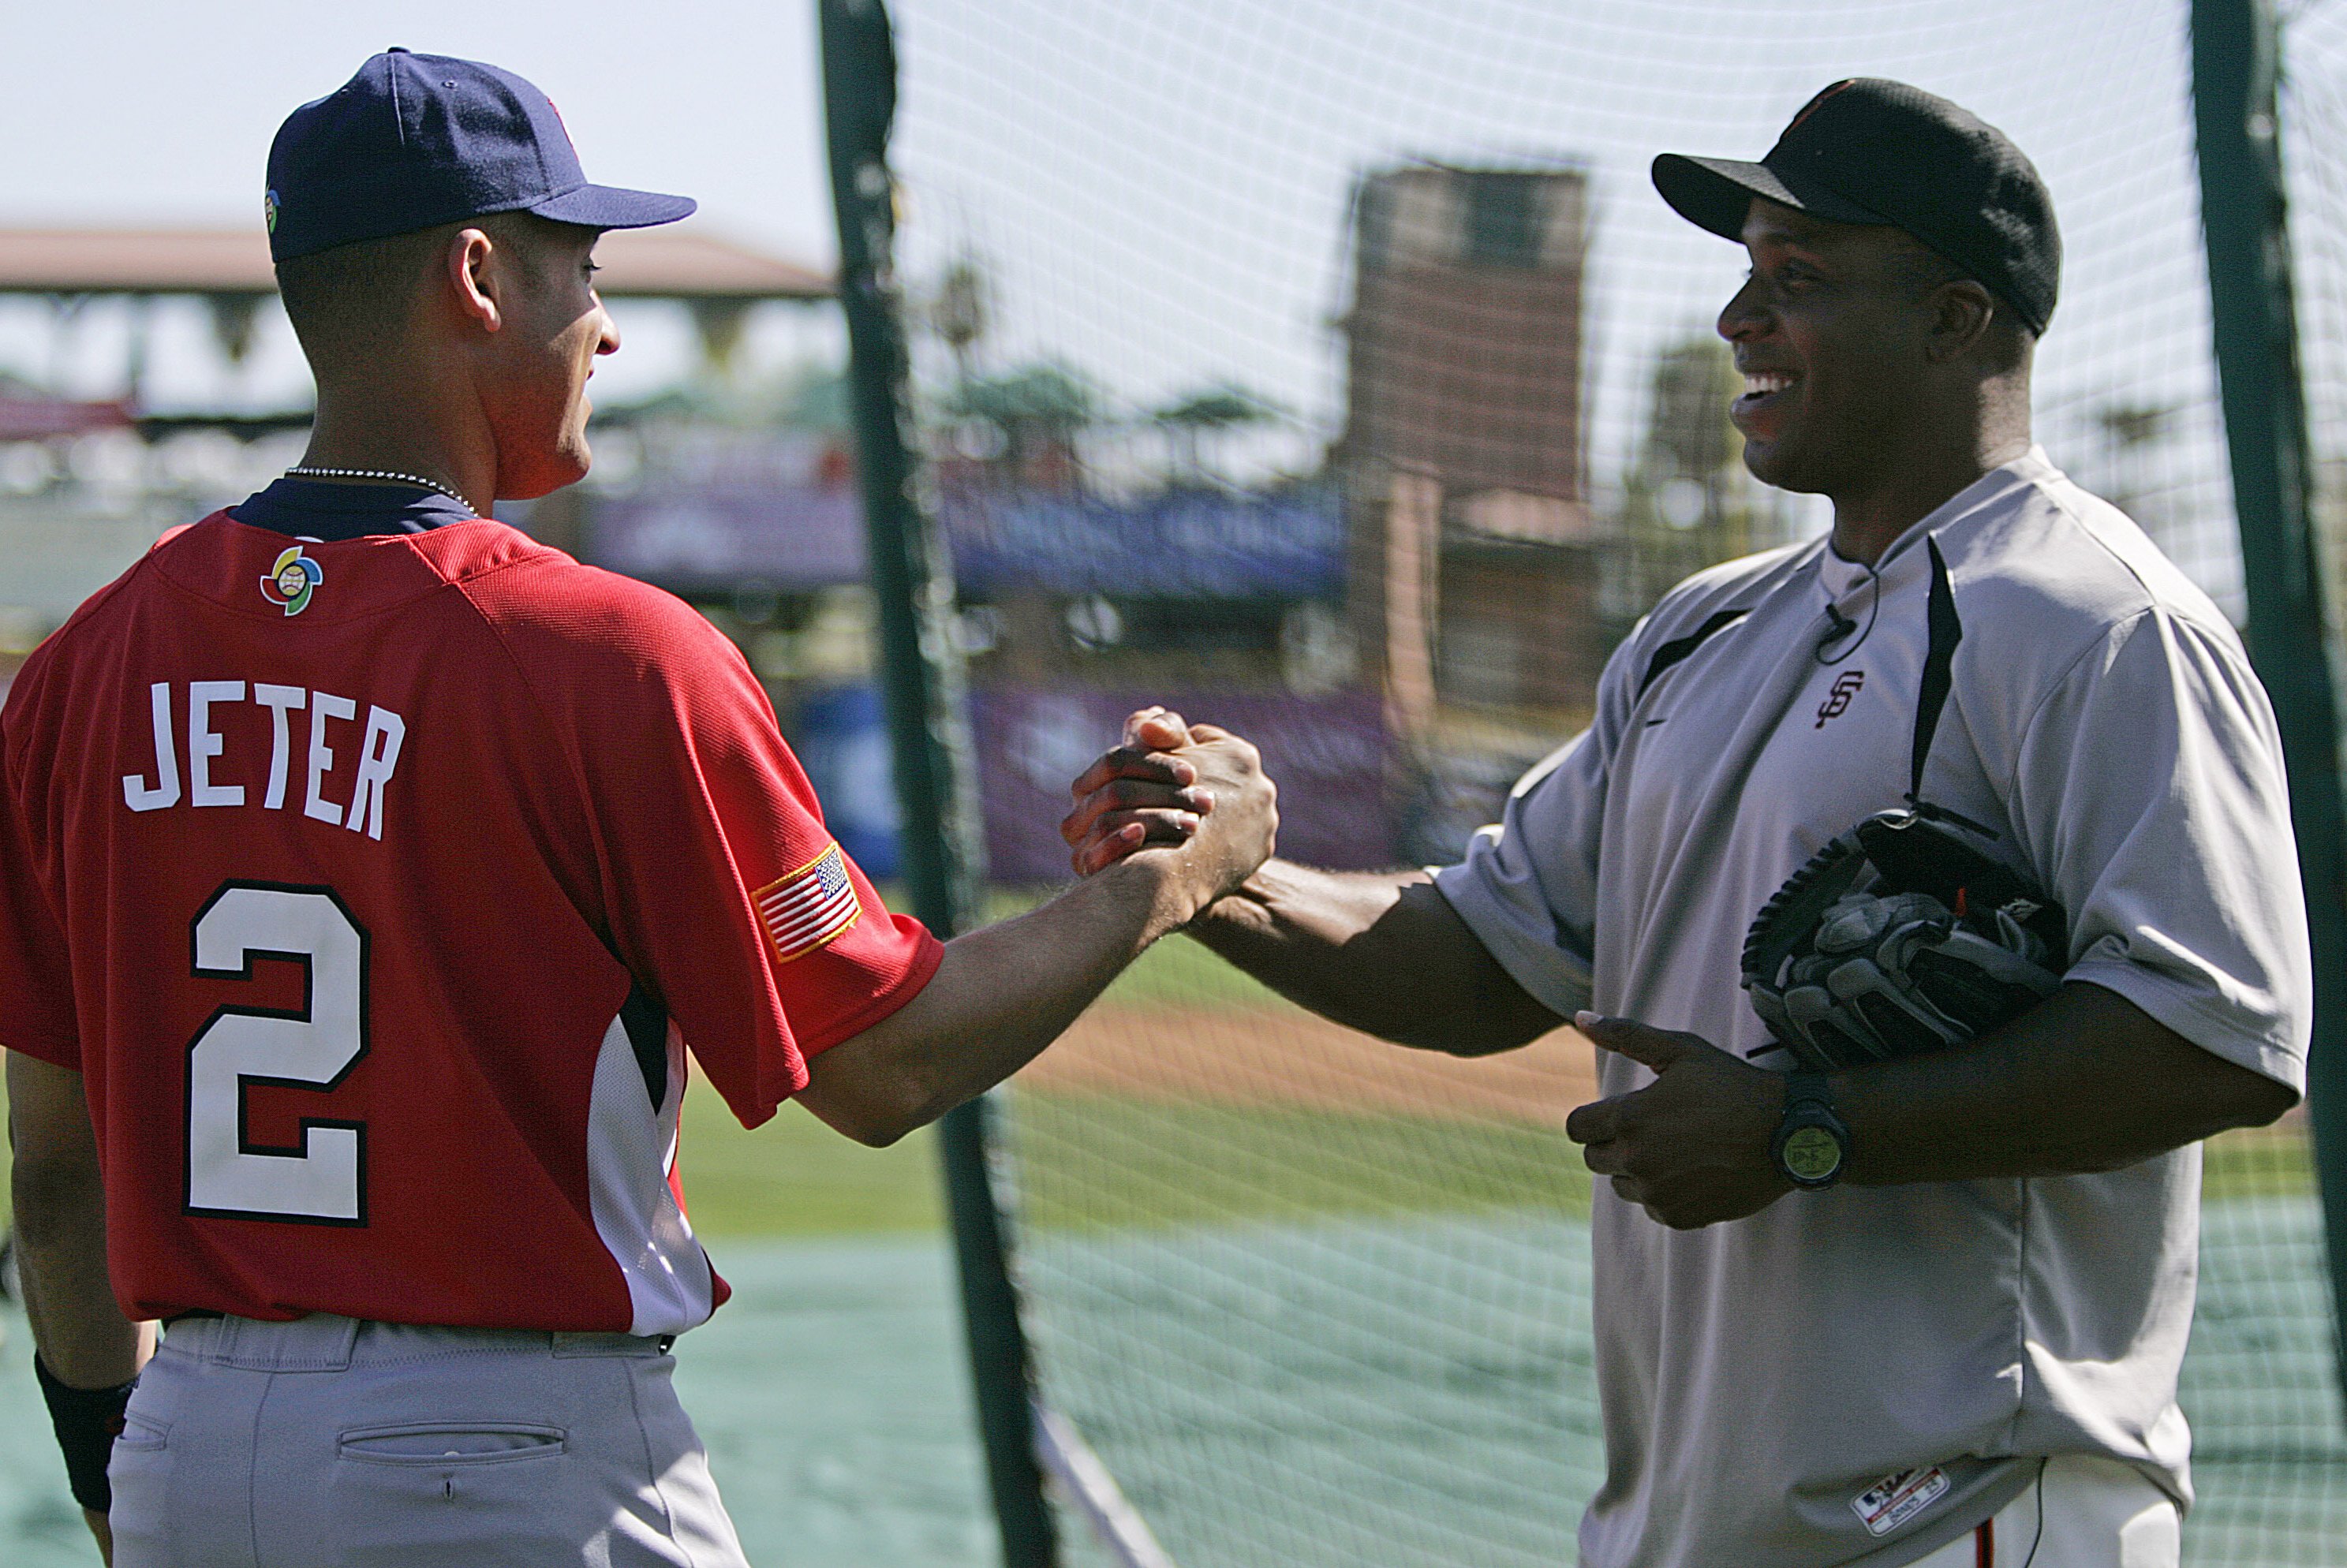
328	1442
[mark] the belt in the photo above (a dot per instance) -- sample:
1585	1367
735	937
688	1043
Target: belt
205	1314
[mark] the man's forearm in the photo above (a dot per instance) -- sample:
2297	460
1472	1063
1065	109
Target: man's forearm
1000	995
2084	1081
81	1333
83	1337
1379	951
78	1332
1291	926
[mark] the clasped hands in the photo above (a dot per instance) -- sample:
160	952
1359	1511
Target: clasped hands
1155	792
1691	1148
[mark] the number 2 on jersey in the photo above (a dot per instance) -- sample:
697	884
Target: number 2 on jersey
323	1180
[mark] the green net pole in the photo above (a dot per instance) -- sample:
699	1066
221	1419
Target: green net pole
912	582
2235	57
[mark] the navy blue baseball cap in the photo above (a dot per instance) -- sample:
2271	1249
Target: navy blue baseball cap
417	140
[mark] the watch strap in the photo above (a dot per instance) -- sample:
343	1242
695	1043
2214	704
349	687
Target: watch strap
1811	1146
1808	1086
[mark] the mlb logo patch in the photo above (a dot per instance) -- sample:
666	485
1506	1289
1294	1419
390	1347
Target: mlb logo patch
293	581
1898	1498
811	907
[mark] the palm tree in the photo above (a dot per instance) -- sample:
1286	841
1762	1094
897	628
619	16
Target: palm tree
1039	408
1224	405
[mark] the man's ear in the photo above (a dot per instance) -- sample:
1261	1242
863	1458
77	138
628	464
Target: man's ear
1962	312
473	275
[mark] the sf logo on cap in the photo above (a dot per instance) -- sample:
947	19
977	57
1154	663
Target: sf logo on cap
292	580
269	212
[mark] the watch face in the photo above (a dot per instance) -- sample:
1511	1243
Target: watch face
1811	1153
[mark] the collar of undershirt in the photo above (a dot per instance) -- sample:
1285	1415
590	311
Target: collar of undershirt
328	512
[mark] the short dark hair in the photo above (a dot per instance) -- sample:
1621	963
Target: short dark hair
1921	269
1919	266
360	292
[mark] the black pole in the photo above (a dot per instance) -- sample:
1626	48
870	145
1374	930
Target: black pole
912	582
2235	56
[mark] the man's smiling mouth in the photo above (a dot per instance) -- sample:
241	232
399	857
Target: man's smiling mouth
1761	388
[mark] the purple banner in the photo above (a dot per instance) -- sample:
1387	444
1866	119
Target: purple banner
704	537
1327	755
1175	544
714	534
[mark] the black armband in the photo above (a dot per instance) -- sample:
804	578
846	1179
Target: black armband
88	1420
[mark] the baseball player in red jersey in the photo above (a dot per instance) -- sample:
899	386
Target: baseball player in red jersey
369	877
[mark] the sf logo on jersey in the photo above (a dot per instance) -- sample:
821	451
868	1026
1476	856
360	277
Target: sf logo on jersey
1846	686
293	581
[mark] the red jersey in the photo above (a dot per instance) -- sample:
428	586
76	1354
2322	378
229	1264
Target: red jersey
379	889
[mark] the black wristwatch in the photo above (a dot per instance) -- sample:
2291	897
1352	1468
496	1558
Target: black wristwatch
1812	1143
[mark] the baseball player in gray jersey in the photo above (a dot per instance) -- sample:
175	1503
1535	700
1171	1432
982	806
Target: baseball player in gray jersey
1927	1309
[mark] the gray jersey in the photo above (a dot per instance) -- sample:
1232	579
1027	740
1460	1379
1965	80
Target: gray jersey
1860	1375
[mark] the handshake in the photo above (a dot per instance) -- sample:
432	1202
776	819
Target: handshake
1192	797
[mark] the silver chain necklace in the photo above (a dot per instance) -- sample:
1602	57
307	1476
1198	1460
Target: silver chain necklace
308	473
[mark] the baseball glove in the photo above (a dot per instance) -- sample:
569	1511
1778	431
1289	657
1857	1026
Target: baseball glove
1899	937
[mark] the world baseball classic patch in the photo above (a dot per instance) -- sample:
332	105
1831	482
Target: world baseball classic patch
1898	1498
811	907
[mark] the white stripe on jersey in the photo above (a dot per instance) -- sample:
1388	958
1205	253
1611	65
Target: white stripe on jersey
630	1149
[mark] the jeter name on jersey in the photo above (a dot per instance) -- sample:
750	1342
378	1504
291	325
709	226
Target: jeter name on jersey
377	759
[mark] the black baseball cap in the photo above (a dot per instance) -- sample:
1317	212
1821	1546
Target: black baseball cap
417	140
1872	151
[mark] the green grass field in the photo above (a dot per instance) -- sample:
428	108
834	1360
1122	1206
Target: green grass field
796	1177
2260	1163
1180	972
1099	1162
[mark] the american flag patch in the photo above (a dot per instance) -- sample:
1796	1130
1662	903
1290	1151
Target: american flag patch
809	909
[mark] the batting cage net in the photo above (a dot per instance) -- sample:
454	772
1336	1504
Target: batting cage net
1330	371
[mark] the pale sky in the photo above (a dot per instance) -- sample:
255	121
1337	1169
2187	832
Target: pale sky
1161	185
158	111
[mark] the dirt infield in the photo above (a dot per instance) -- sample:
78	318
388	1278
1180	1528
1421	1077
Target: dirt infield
1284	1056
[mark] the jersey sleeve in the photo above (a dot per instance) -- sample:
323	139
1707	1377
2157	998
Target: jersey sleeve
725	892
2180	872
1528	886
37	999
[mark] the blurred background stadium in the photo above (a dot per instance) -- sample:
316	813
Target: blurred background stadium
1326	370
